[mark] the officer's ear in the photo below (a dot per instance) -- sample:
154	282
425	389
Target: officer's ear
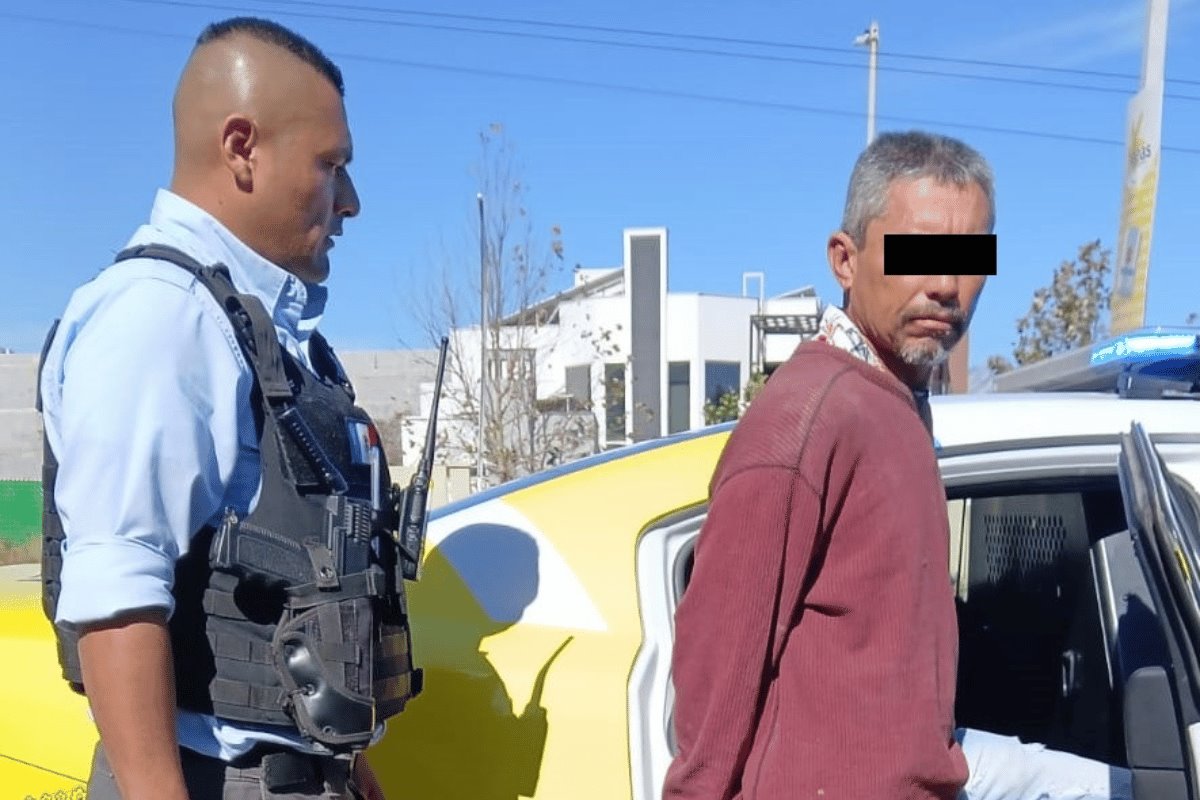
239	139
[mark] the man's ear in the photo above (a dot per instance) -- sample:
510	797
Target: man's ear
239	138
843	259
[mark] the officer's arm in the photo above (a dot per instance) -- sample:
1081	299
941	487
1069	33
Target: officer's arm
146	436
128	671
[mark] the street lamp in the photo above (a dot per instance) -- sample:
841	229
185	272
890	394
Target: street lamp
870	39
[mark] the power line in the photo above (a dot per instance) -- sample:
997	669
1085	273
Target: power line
643	46
95	26
667	93
1040	68
778	106
706	38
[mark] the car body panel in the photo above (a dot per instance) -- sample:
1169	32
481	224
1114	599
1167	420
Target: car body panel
980	420
500	563
528	617
46	734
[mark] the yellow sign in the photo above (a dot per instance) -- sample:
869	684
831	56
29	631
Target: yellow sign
1140	190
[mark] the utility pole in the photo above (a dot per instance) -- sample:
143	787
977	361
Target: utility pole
870	39
480	464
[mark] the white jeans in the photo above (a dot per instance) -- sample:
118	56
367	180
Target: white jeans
1004	768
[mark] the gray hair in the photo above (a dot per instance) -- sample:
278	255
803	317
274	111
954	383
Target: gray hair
909	156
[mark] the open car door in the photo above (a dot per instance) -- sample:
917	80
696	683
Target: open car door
1161	702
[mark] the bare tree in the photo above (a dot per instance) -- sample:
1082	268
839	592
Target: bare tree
523	431
1067	314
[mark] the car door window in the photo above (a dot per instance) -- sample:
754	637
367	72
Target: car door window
1162	513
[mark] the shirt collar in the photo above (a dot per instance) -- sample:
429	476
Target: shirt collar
837	329
293	304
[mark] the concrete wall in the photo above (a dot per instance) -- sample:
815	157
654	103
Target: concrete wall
17	377
960	365
20	445
388	383
20	424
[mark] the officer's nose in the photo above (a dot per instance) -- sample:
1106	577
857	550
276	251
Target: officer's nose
346	202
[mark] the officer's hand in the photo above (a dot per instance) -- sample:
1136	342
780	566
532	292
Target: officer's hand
365	781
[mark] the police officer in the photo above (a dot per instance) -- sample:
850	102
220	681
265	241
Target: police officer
217	560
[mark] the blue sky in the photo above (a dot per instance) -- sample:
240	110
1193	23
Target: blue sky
609	137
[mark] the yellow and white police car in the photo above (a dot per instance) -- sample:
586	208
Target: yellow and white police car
543	618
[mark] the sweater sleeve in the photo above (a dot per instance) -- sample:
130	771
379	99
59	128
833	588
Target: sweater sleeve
726	622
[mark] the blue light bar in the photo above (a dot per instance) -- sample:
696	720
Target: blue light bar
1138	348
1145	362
1152	360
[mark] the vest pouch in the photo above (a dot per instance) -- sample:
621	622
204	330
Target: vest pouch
326	670
396	680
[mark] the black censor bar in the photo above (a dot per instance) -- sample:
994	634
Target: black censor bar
939	254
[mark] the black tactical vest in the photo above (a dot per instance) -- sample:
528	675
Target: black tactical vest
294	615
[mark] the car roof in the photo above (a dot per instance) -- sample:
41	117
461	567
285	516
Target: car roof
959	421
979	419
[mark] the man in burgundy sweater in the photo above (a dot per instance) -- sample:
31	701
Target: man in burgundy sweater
816	645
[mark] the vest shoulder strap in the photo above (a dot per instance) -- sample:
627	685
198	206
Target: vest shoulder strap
256	335
253	326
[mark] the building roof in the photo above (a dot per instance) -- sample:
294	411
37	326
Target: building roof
543	311
803	291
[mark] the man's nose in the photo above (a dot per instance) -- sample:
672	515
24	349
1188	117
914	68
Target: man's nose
942	288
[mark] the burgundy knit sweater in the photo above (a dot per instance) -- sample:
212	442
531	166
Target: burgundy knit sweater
816	644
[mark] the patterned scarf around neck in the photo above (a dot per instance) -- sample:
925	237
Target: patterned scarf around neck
837	329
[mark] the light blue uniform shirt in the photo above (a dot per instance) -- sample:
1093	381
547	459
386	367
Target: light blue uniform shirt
146	406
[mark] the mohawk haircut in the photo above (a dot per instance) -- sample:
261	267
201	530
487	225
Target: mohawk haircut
273	33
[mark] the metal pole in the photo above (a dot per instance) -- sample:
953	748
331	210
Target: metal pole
757	340
480	464
871	82
870	38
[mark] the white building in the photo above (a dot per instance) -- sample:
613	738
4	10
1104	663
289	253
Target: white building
619	365
616	346
636	365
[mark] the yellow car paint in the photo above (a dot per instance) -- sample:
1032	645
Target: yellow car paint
511	708
464	737
46	735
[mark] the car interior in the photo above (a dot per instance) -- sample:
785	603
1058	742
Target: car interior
1034	652
1060	641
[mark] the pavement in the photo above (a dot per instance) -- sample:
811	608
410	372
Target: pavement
17	577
